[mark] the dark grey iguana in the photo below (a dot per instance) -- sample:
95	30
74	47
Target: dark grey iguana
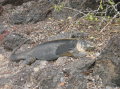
52	50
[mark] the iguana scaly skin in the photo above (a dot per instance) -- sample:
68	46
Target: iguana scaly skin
52	50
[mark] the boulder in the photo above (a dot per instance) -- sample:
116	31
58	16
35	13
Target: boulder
2	28
3	32
12	41
79	4
13	2
107	65
64	13
82	5
67	75
34	12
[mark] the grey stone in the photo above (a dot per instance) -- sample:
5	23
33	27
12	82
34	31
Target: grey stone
12	41
17	18
80	5
64	13
13	2
70	75
107	65
38	11
76	7
2	28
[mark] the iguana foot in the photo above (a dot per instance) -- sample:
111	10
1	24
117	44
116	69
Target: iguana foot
29	60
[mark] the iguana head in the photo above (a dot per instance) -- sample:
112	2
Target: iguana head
85	46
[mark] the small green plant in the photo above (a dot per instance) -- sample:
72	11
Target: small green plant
58	7
111	2
91	17
108	17
105	4
78	22
101	5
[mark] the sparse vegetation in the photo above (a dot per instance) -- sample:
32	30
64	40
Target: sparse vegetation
58	7
91	17
48	20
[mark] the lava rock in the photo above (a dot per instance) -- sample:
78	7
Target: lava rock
35	12
107	65
2	28
82	5
18	18
53	77
12	41
13	2
64	13
3	32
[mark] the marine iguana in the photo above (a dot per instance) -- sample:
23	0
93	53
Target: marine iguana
51	50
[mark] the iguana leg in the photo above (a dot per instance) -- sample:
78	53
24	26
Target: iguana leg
79	54
29	60
74	54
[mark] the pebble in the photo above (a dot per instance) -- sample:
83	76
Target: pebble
1	57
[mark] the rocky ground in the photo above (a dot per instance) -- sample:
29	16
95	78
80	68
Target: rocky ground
98	70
